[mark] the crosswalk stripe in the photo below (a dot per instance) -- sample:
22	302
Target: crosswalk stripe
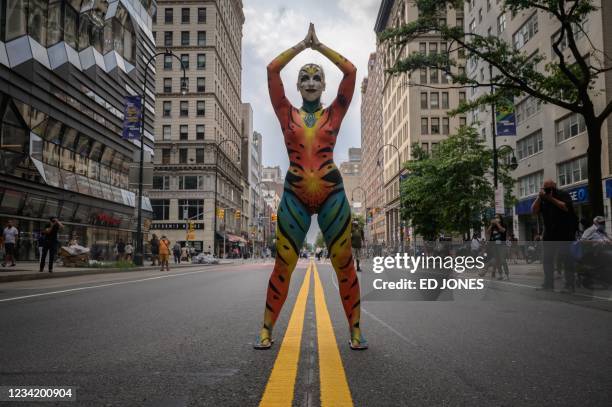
335	391
280	387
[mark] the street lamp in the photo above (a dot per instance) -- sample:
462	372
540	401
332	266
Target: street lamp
218	147
513	162
139	255
399	180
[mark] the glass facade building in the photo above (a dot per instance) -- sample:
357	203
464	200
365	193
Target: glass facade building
65	68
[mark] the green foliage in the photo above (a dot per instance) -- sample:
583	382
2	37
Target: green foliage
320	241
448	190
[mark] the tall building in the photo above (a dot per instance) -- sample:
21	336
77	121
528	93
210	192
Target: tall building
198	134
273	177
412	114
65	69
371	142
551	142
351	178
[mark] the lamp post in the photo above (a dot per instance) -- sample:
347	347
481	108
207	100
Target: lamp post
399	181
218	147
139	255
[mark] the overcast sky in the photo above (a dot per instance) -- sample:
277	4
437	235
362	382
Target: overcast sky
271	27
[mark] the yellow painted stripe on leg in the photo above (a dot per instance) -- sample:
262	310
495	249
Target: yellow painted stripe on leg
280	388
335	391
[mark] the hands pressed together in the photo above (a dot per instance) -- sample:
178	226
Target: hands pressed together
311	40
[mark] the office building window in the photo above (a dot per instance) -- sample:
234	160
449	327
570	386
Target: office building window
462	121
571	172
424	125
183	132
433	75
201	108
200	132
184	16
527	108
200	155
461	97
423	78
423	47
444	100
168	16
191	182
183	153
167	108
161	209
445	126
167	85
161	182
202	15
201	38
434	102
201	61
435	125
433	48
424	104
501	23
185	60
570	126
168	62
184	108
192	209
165	156
185	38
167	38
526	32
530	184
530	145
201	84
166	132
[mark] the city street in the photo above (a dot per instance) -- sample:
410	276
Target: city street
184	338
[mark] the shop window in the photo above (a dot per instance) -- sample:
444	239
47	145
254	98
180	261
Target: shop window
12	201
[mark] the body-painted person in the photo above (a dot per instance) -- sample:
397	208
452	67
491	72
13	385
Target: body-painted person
313	183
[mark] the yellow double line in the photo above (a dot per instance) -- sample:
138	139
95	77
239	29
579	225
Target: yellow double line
335	391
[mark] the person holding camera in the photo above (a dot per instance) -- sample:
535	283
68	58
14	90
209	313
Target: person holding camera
50	243
497	232
560	225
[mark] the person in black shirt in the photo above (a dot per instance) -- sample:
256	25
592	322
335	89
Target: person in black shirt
50	243
497	240
560	225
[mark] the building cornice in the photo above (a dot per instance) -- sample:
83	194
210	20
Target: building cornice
383	15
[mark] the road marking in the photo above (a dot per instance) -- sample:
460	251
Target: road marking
280	387
100	286
335	391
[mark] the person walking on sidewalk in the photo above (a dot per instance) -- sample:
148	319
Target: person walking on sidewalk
129	251
356	242
560	225
164	253
154	242
10	235
497	238
51	242
176	251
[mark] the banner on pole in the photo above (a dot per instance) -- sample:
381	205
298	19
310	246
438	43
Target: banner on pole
499	200
131	119
505	118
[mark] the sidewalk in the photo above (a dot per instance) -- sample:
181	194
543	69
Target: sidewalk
29	270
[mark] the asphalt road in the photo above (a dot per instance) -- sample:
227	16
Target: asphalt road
185	338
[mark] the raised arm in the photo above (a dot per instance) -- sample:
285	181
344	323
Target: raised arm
281	104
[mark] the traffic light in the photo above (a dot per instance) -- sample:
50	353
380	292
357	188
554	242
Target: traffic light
191	226
220	213
273	217
237	214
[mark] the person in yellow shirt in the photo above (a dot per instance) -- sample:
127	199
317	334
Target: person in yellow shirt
164	253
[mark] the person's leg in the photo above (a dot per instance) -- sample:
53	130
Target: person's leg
334	219
43	257
292	225
568	265
51	257
548	263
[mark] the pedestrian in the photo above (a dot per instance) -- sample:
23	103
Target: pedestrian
164	253
184	253
176	252
120	249
40	242
154	242
357	238
129	251
51	242
10	234
497	247
475	245
560	225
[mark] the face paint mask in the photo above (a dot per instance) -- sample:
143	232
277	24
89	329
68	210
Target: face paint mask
311	82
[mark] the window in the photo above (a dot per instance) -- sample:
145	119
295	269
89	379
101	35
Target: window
166	132
526	32
445	126
444	100
202	15
165	156
433	75
167	85
459	22
434	102
200	108
530	184
201	61
530	145
201	38
570	126
501	23
167	38
472	27
191	182
527	108
161	182
200	132
191	209
167	108
184	16
480	15
573	171
185	60
461	97
184	108
424	125
161	209
183	153
424	104
201	84
168	16
578	30
423	75
435	125
185	38
462	121
200	155
183	132
168	62
423	47
433	48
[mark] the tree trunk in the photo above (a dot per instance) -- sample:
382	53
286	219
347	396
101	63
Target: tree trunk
594	165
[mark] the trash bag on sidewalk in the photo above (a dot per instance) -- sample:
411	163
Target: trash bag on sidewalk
74	256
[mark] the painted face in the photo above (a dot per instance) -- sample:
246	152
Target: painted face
311	82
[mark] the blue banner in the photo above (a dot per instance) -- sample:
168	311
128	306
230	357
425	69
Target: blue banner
131	120
609	188
505	118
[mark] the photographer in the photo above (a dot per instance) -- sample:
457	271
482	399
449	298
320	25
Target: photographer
50	243
497	237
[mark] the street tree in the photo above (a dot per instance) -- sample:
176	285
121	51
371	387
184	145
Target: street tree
447	190
320	241
567	79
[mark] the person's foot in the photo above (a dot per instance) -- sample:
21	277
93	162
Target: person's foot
50	271
264	340
13	265
500	277
358	342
